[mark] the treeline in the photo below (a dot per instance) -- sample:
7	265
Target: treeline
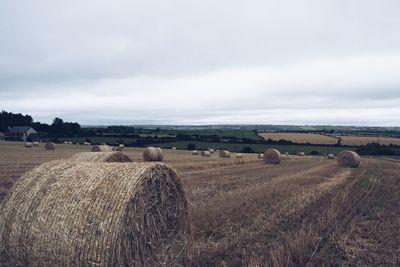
58	128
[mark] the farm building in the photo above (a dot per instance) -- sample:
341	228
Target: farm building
22	133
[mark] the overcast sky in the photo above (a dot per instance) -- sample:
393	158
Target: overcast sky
202	62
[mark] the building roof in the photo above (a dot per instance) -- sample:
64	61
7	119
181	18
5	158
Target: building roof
20	129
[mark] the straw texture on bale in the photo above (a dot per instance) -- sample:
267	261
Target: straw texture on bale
224	154
301	154
331	156
28	144
195	152
50	146
101	157
272	156
152	154
206	153
95	214
348	158
35	143
239	155
102	148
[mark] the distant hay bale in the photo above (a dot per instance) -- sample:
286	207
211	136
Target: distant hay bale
331	156
195	152
121	145
28	144
152	154
301	154
118	148
65	213
260	156
86	143
205	153
50	146
70	143
348	158
224	154
103	144
173	148
102	148
35	143
286	153
211	150
239	155
65	142
272	156
101	157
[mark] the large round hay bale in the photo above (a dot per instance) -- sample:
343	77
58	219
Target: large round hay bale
101	157
35	143
331	156
348	158
152	154
65	213
272	156
101	148
50	146
205	153
301	154
195	152
224	154
239	155
28	144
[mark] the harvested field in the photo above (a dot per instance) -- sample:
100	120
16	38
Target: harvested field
320	139
304	211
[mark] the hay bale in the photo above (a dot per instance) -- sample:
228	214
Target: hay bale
260	156
239	155
65	142
286	154
50	146
348	158
195	152
331	156
272	156
121	145
173	148
86	143
28	144
65	213
101	157
35	143
301	154
103	144
102	148
118	148
224	154
152	154
205	153
212	151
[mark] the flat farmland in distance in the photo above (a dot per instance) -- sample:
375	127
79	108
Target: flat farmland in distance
304	211
356	140
301	138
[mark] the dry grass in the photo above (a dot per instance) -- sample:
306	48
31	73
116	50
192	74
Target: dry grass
305	211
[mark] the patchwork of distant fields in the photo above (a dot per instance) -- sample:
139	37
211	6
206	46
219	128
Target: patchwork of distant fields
330	139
